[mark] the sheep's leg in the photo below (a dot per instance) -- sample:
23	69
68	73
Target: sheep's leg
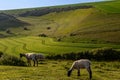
34	62
37	62
78	72
29	62
90	72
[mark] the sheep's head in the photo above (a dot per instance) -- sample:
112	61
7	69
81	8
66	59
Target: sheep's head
21	55
1	53
69	73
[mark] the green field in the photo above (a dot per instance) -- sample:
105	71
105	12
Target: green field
110	7
47	46
57	70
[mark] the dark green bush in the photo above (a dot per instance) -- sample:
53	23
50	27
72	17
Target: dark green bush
54	56
11	60
71	56
84	55
42	35
107	54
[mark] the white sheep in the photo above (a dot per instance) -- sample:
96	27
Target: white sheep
81	64
32	56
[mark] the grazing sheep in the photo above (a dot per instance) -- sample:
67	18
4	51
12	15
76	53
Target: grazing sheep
32	56
80	64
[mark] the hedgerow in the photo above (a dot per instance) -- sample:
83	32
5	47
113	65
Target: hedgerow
107	54
11	60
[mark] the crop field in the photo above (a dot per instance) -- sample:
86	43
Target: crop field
57	70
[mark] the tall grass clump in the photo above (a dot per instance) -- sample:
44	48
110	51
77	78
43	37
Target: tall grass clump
11	60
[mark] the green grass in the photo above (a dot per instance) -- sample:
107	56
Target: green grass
85	23
57	70
47	46
109	7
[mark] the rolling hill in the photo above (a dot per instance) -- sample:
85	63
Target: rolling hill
96	22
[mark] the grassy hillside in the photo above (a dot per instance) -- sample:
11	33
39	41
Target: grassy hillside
109	7
8	21
98	24
88	24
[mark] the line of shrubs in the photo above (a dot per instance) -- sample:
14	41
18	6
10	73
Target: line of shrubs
102	54
6	59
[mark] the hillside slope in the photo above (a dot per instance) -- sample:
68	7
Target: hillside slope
97	24
8	21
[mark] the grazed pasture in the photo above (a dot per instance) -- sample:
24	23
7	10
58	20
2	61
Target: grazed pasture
57	70
50	69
